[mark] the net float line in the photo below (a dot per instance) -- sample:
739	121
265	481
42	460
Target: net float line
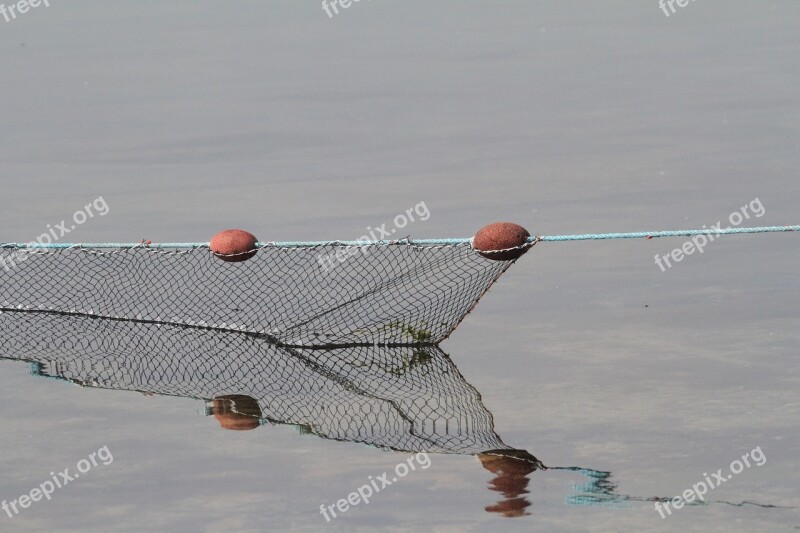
412	242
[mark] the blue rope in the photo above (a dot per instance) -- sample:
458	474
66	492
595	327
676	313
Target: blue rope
668	233
419	242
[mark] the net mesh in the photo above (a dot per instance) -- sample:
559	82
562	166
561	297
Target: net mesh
400	398
323	295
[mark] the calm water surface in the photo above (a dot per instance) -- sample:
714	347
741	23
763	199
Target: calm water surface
564	117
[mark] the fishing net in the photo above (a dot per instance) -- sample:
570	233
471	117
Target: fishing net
327	294
400	398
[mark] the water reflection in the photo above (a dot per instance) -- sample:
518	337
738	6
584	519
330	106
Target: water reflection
511	468
236	412
406	399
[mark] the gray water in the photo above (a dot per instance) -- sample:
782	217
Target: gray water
190	117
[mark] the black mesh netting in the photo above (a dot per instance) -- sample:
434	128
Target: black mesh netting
324	295
401	398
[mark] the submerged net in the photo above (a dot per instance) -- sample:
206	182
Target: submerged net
327	294
406	399
400	398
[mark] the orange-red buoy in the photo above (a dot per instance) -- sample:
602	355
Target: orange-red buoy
234	245
501	236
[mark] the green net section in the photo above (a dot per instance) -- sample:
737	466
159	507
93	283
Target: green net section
400	398
325	295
